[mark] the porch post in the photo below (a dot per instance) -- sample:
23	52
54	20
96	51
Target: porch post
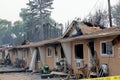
67	50
42	55
32	63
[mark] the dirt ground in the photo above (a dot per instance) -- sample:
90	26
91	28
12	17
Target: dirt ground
19	76
23	76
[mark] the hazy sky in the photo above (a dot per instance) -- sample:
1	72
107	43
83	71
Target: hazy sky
9	9
63	11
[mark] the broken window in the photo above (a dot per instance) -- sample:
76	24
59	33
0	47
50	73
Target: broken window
79	51
106	48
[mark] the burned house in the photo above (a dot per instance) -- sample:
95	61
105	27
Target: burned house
80	45
93	46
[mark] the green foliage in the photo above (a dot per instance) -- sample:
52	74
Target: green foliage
5	27
11	34
35	17
19	30
4	23
36	24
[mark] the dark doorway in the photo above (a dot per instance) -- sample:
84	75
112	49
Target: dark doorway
79	51
91	46
38	55
62	53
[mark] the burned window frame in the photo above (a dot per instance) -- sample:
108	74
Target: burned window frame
76	53
106	51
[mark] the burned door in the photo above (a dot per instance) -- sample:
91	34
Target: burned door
91	54
62	53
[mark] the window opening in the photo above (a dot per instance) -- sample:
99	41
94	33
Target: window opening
79	51
49	52
106	47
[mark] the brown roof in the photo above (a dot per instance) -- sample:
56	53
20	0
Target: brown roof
40	43
99	33
111	29
87	29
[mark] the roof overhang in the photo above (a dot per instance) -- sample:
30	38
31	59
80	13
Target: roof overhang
90	36
41	43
